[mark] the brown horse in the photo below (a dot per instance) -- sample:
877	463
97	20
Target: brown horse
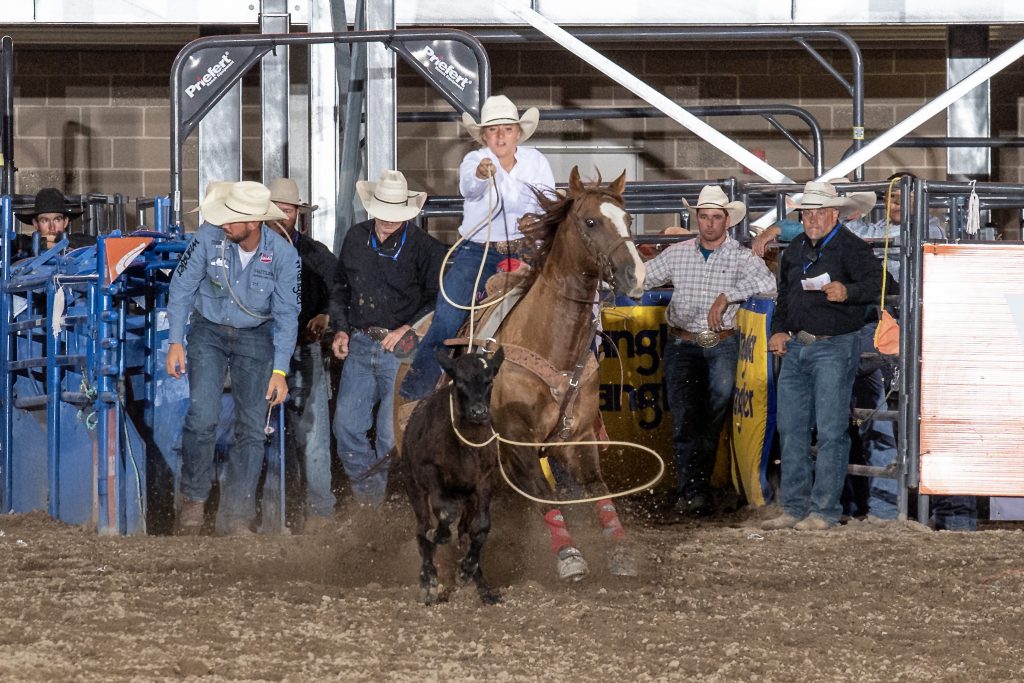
584	240
547	388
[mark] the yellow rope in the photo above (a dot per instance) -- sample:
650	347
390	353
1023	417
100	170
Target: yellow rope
885	251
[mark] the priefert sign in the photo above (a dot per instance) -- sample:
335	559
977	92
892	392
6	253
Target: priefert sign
211	75
445	69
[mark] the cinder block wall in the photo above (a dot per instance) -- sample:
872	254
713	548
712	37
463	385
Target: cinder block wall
96	118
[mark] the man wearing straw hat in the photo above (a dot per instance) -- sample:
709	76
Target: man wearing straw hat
307	413
387	279
829	277
711	276
237	284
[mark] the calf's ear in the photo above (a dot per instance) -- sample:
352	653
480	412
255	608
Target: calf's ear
447	364
496	360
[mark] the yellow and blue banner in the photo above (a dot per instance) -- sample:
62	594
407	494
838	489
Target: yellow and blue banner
753	410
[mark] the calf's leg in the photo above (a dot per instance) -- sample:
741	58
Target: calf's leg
478	510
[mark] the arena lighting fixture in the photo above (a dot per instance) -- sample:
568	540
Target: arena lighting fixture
972	385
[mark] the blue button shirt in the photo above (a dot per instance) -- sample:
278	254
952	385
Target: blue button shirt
268	286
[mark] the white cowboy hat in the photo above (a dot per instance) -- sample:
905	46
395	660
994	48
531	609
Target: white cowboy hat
286	191
240	202
819	195
497	110
713	197
389	199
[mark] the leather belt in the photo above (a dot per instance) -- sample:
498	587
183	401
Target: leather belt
707	339
510	247
808	338
374	332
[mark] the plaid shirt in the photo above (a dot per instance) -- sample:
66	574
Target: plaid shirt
731	269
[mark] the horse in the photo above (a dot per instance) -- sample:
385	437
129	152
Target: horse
547	388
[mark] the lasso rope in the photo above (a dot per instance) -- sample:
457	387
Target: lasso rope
575	501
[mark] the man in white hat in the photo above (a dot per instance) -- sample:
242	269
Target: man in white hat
307	414
498	183
386	280
829	278
237	284
711	276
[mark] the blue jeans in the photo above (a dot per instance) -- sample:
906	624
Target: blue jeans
367	380
877	436
458	284
699	385
212	350
955	513
309	430
814	390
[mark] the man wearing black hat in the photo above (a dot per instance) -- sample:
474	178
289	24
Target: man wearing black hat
50	216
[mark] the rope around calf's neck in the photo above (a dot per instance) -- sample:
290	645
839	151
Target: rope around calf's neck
575	501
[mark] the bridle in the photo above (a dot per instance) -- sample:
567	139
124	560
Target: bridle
606	271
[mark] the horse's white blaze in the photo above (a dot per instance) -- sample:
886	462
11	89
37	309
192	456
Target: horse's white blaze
618	218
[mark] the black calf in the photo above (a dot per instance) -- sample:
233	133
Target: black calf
446	476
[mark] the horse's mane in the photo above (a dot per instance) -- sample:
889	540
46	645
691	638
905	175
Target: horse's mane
540	228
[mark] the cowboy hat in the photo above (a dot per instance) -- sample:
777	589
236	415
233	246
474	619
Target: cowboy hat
819	195
48	200
713	197
240	202
389	199
498	110
286	191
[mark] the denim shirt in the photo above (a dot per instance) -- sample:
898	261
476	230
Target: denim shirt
268	286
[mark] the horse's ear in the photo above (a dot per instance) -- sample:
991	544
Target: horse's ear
619	184
575	184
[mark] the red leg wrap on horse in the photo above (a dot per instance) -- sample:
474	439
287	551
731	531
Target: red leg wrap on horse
610	523
556	527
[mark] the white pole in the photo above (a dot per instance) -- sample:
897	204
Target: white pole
883	141
641	89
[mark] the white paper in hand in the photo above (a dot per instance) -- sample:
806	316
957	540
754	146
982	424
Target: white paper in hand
814	284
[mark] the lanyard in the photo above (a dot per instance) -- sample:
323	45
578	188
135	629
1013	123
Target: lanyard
821	249
376	247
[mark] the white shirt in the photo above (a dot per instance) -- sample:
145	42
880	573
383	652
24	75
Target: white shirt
513	200
731	269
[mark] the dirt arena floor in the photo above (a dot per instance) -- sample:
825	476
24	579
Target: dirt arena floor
719	601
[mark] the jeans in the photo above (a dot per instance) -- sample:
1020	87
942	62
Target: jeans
877	436
814	390
309	427
699	385
458	284
367	379
249	353
955	513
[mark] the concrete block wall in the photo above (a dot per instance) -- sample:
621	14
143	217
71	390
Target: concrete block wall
96	118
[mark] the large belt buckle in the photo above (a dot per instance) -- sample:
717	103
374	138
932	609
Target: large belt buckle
805	338
707	339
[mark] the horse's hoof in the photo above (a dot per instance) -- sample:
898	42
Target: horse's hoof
622	561
571	565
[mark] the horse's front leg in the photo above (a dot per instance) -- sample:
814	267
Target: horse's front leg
583	464
527	474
